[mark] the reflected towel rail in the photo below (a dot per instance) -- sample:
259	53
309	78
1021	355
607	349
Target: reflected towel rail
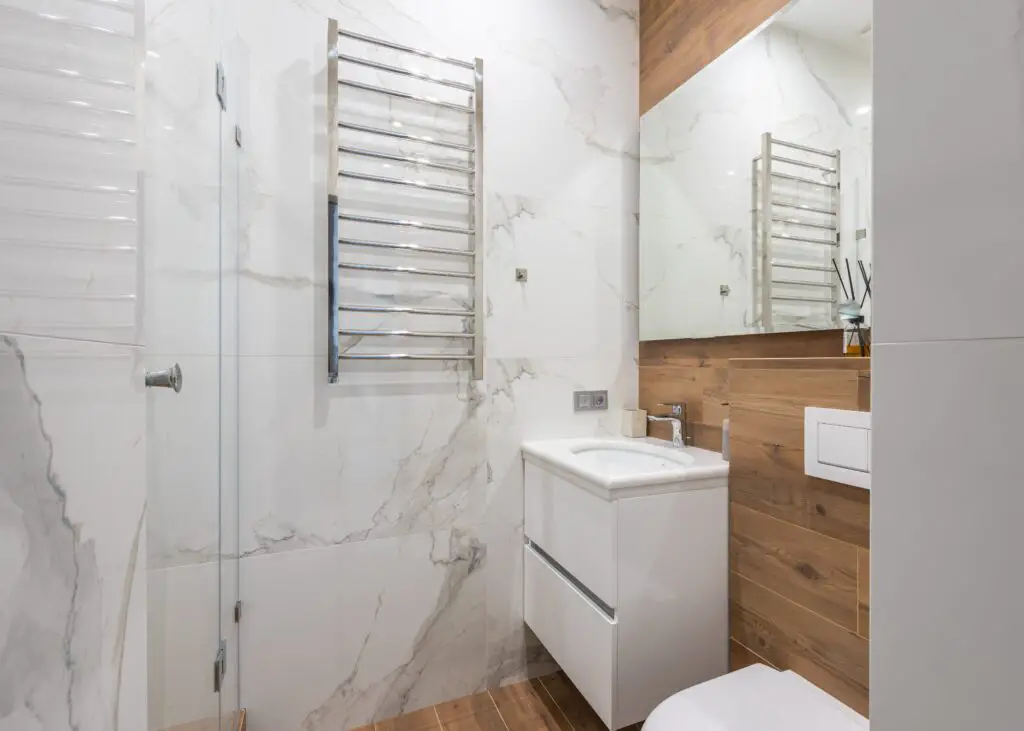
804	148
800	283
803	163
775	209
803	181
802	240
803	267
801	222
802	207
824	300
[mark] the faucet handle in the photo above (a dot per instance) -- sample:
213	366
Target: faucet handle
677	409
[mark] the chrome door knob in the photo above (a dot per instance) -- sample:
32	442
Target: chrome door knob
169	378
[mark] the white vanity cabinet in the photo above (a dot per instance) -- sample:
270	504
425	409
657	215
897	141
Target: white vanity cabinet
626	568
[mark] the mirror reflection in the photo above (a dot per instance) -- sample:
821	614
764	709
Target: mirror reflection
755	183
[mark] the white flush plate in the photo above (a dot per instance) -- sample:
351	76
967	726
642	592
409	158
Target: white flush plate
837	445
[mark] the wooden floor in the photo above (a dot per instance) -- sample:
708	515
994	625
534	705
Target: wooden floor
551	702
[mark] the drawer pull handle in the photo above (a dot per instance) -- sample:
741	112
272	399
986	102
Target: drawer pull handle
552	564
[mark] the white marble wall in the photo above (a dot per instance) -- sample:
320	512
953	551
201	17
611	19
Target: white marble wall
381	517
72	420
695	181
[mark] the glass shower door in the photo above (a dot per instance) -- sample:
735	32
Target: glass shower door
189	326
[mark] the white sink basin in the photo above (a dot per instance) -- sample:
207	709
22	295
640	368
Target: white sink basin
616	467
625	461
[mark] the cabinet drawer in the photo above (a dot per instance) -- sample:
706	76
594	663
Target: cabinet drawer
579	635
576	528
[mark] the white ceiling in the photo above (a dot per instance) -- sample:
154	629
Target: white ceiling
845	23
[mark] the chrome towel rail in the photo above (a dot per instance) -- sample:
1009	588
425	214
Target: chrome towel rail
405	247
405	49
407	223
405	95
398	309
464	158
405	72
404	270
421	184
404	334
407	356
405	136
411	159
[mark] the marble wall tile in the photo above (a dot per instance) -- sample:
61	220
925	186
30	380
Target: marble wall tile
72	506
695	179
338	636
370	509
69	187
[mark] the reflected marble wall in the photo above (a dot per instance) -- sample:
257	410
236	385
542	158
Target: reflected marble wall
695	176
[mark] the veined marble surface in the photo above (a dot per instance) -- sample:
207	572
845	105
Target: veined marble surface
72	564
695	179
380	524
72	419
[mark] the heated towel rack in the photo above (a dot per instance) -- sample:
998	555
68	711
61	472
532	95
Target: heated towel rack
360	153
795	210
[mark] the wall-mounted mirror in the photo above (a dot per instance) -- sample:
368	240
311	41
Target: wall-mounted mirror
755	183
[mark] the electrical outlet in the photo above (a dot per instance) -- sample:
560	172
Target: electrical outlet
590	401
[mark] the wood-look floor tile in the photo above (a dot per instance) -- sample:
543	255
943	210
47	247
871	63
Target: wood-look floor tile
367	727
422	720
572	703
527	706
484	721
473	705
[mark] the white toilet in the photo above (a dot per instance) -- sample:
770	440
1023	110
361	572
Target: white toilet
756	698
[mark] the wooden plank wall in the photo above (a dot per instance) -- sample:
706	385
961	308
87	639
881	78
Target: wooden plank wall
798	545
697	372
680	37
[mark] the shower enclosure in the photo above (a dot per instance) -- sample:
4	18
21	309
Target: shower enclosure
120	210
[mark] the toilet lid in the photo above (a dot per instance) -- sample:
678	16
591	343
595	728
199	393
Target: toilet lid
756	698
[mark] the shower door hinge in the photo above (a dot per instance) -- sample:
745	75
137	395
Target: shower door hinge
238	611
222	87
220	666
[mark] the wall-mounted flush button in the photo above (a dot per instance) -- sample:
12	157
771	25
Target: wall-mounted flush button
590	401
520	275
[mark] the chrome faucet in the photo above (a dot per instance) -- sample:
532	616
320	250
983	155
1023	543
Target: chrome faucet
678	421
